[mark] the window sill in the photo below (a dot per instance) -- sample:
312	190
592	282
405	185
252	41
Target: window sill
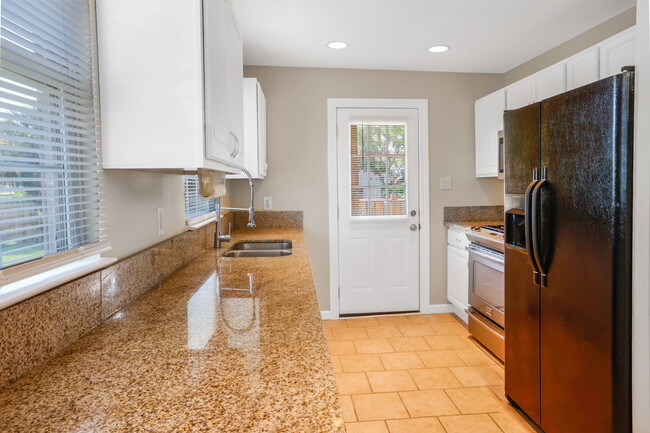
14	293
198	225
198	222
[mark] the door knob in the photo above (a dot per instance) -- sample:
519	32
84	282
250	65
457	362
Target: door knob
413	227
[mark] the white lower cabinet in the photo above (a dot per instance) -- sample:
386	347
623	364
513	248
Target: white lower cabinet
457	272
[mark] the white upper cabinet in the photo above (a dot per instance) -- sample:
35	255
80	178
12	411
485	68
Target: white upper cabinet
617	52
236	89
168	75
582	69
219	144
488	120
254	130
550	82
520	94
592	64
547	83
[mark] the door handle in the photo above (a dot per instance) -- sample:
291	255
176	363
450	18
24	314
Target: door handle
413	227
528	224
535	219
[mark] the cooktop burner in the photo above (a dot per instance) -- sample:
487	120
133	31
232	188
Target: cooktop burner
490	235
499	228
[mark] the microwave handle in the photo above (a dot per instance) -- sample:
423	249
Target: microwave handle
501	155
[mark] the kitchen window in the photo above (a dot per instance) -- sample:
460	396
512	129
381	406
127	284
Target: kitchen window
50	174
378	169
198	212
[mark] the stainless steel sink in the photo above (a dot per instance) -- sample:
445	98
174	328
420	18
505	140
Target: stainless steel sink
262	245
257	253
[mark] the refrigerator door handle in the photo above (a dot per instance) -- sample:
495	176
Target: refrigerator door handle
528	226
535	219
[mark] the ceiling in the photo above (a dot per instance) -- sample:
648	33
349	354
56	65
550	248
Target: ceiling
484	35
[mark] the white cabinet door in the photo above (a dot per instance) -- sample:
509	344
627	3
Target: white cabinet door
261	131
616	52
488	121
236	90
215	51
582	69
520	94
458	280
549	82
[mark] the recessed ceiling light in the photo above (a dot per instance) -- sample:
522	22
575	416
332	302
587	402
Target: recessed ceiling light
438	48
337	45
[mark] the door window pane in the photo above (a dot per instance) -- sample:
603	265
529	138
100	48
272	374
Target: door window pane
377	169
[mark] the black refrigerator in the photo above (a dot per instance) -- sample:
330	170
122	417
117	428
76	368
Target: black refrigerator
568	185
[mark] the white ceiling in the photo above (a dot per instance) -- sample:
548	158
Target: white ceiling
484	35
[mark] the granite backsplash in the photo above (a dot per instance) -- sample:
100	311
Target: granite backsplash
472	213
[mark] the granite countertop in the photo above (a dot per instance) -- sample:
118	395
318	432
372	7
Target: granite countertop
468	224
201	352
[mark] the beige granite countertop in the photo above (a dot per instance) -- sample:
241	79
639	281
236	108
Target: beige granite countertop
203	352
468	224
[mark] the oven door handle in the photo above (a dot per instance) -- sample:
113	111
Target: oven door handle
528	226
498	258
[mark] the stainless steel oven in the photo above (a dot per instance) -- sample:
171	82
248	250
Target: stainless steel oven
486	282
486	313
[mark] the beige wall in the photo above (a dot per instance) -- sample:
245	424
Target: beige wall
297	148
573	46
132	199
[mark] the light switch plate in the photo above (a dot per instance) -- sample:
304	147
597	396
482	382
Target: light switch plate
445	183
160	213
268	203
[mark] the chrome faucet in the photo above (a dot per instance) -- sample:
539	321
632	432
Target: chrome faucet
218	237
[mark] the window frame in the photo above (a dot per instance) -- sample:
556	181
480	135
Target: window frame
27	279
195	221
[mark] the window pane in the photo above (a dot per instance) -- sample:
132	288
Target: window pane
49	183
377	160
397	170
194	205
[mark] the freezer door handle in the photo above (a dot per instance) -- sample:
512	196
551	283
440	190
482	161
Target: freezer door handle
528	225
535	222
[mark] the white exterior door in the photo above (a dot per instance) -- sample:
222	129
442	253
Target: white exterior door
379	231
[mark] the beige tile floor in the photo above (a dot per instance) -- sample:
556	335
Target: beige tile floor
417	374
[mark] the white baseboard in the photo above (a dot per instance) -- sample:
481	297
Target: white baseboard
430	309
437	309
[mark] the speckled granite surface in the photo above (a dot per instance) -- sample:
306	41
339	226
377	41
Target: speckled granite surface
271	219
39	327
202	352
468	224
472	213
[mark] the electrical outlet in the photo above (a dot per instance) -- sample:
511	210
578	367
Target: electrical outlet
160	212
445	183
268	203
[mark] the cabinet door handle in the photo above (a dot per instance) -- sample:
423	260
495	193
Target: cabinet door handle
233	137
236	152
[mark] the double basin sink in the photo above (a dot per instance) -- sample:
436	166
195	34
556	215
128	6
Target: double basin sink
274	248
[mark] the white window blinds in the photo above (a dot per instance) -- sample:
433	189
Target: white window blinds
194	206
49	174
